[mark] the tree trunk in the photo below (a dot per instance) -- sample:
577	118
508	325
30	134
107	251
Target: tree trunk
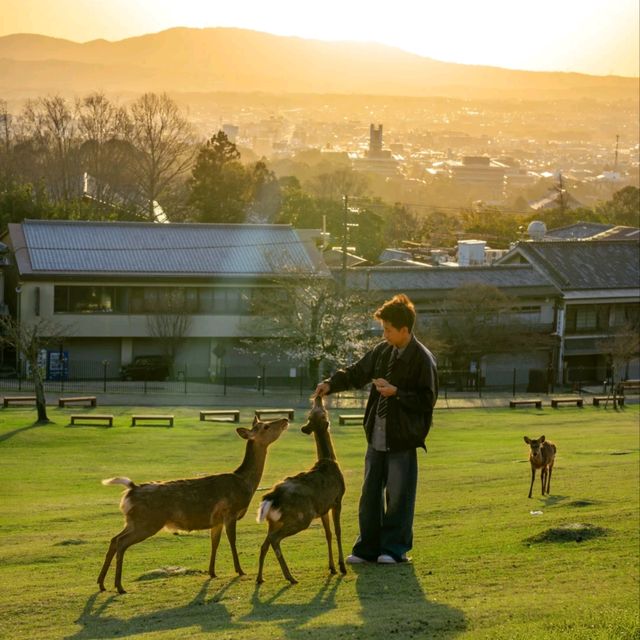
41	401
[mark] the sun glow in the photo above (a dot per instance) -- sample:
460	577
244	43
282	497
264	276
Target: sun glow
573	35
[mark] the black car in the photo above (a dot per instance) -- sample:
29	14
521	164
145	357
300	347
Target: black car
146	368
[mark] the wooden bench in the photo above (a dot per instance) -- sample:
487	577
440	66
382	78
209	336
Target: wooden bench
629	385
598	399
230	415
81	418
514	403
152	418
343	419
7	400
275	412
556	401
89	400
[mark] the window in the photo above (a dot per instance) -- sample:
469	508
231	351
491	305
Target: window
86	299
155	300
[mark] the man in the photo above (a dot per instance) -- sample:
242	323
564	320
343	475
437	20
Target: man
396	422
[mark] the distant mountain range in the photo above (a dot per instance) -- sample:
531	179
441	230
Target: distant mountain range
239	60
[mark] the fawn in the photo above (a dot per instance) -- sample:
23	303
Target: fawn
542	454
293	503
212	502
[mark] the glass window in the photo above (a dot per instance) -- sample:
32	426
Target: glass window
83	299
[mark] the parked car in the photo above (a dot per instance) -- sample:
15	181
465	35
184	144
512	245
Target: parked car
146	368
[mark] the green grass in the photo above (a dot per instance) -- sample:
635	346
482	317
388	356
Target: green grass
475	572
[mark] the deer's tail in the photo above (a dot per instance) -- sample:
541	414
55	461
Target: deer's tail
120	480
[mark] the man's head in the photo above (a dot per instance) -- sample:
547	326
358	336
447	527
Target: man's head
397	316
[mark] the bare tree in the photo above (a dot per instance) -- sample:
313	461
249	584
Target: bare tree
309	319
622	347
173	323
163	140
29	340
478	319
106	155
49	130
334	185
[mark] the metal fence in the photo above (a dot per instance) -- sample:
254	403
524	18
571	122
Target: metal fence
99	377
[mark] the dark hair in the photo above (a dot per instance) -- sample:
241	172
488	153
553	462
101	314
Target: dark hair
399	312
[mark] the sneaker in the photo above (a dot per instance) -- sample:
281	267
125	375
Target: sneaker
353	559
387	559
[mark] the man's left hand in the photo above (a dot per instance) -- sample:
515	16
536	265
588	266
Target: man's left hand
385	388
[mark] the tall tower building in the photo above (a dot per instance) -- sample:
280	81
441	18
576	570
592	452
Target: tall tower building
375	140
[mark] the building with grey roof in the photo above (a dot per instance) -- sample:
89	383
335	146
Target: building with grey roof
599	284
108	283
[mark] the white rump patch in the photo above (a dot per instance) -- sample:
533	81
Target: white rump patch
265	511
274	515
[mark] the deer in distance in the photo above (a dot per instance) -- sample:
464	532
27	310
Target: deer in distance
542	454
211	502
293	503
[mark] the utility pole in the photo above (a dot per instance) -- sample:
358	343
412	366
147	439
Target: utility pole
561	190
615	163
344	241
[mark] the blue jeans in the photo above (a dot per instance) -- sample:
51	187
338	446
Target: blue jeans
387	504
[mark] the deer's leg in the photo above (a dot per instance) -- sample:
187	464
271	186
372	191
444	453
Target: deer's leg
216	532
335	512
549	479
533	477
263	552
126	539
230	528
275	543
108	558
543	479
327	535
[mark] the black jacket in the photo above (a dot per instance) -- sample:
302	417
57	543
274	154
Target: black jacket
410	411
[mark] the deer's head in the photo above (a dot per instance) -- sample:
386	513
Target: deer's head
264	433
535	446
318	418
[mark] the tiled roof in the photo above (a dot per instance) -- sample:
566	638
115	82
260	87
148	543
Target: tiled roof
161	249
605	264
579	230
442	279
619	232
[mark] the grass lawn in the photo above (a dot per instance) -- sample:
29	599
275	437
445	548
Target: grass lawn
483	565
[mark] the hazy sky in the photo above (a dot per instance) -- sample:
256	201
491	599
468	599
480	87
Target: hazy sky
589	36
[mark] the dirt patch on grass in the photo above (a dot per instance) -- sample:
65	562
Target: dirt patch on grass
571	532
169	572
580	503
72	541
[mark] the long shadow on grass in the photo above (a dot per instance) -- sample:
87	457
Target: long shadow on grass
293	616
15	432
206	613
394	604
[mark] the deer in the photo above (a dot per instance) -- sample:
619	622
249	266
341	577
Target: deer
542	454
211	502
292	504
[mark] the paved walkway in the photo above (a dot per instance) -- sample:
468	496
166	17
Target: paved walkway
348	400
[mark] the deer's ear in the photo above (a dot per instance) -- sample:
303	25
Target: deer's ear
255	420
541	439
243	433
527	440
